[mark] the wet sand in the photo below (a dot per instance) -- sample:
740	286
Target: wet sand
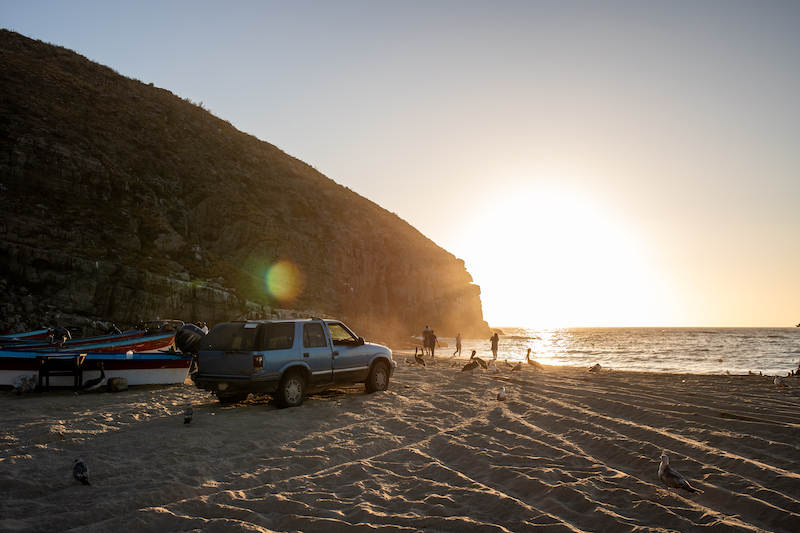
567	451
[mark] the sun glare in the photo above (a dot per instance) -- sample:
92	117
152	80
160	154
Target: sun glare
284	280
552	258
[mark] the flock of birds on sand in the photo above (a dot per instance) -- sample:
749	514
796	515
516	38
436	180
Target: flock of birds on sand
671	478
474	362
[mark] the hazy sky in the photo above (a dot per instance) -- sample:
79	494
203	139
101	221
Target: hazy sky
622	163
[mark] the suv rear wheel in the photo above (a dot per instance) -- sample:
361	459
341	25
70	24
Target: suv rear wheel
378	378
292	389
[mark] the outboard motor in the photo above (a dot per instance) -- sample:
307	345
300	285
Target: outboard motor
58	335
188	338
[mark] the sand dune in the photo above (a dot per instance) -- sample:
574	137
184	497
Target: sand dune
567	451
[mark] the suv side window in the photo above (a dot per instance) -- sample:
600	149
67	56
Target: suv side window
279	336
314	336
340	334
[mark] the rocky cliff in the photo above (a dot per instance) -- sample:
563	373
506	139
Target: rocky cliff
120	202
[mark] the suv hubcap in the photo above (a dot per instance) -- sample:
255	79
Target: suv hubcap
380	379
293	391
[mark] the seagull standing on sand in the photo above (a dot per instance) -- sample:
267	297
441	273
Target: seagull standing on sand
517	367
780	382
595	368
188	415
80	472
671	478
495	369
501	396
94	384
535	364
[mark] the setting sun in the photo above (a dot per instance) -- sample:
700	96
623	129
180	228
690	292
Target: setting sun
550	256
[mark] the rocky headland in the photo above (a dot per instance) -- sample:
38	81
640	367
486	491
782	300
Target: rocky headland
121	202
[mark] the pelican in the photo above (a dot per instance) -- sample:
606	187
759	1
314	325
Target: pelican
419	358
471	366
671	478
535	364
94	384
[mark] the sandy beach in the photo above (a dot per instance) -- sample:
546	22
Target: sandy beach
567	451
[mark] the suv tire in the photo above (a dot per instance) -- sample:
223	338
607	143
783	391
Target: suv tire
292	389
378	378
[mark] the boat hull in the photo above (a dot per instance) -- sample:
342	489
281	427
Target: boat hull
137	368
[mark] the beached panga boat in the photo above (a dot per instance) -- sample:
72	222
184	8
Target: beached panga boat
37	334
136	342
153	368
35	344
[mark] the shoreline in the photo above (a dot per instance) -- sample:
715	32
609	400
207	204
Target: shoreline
567	451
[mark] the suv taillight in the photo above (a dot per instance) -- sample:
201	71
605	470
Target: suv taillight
258	361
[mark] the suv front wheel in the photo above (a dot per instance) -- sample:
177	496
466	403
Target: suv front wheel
378	378
292	390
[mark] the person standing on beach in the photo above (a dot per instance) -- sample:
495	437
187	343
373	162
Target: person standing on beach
432	343
458	344
495	339
425	344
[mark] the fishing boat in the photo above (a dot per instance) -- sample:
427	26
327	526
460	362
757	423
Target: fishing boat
35	344
37	334
135	342
152	368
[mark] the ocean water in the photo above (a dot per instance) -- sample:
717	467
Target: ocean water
771	351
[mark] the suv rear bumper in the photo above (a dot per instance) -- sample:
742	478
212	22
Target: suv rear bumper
225	384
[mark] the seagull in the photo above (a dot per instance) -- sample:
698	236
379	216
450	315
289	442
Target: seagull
595	368
517	367
80	472
780	382
508	364
501	396
94	384
419	358
188	415
495	369
471	366
671	478
535	364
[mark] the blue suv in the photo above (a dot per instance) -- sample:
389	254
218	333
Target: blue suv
287	359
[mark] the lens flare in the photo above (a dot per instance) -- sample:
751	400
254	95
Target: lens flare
284	280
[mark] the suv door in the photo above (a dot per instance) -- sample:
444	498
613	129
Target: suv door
317	353
350	356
